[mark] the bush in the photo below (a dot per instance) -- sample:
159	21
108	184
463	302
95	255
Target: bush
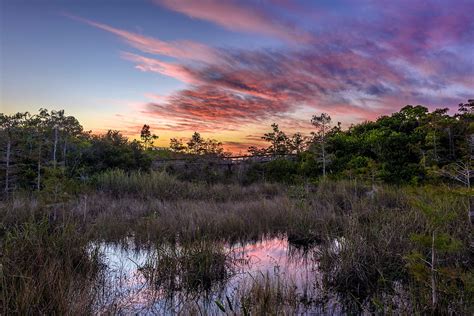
280	170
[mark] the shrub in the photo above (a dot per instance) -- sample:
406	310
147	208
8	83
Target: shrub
280	170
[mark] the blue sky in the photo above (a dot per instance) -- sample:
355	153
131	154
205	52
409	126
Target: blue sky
230	68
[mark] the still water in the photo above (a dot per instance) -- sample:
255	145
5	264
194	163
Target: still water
269	262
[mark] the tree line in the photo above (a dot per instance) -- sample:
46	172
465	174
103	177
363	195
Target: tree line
197	145
42	148
409	146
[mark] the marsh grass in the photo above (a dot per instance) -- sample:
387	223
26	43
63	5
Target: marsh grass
374	229
370	258
191	267
267	294
163	186
273	294
245	213
47	270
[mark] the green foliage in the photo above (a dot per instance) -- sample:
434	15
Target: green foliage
308	166
408	147
430	262
111	151
411	146
442	242
280	170
58	187
49	146
402	147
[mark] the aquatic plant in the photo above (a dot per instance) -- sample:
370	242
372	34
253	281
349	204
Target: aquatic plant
191	266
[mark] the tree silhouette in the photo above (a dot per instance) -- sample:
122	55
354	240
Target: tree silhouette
147	137
322	124
278	141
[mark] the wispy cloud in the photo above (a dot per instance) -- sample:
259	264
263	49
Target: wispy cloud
183	49
211	108
147	64
239	16
354	69
250	86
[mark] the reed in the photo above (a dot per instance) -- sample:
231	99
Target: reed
47	270
367	240
191	267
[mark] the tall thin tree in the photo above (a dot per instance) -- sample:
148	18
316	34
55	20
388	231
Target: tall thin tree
322	124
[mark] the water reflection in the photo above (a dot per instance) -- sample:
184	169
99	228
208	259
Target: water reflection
277	258
130	284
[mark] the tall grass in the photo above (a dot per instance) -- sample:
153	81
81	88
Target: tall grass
46	270
370	257
369	263
161	185
273	294
192	267
152	185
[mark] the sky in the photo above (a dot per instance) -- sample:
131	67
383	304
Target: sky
228	69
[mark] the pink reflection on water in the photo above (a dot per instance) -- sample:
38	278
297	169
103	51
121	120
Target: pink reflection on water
276	258
272	257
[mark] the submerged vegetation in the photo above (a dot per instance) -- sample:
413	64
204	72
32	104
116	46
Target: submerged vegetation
382	212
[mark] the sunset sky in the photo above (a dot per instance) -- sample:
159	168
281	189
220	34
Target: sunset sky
228	69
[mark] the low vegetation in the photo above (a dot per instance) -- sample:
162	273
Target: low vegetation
363	257
384	215
47	268
193	266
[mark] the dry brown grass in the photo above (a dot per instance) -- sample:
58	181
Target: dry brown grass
374	230
47	270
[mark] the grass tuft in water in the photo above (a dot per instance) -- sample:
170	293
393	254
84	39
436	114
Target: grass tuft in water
191	267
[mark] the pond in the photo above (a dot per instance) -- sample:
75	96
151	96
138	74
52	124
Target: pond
170	279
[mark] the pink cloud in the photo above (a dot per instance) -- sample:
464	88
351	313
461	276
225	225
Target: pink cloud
248	87
177	49
210	108
235	16
357	69
147	64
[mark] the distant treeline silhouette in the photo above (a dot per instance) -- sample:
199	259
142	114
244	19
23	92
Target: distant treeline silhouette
410	146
